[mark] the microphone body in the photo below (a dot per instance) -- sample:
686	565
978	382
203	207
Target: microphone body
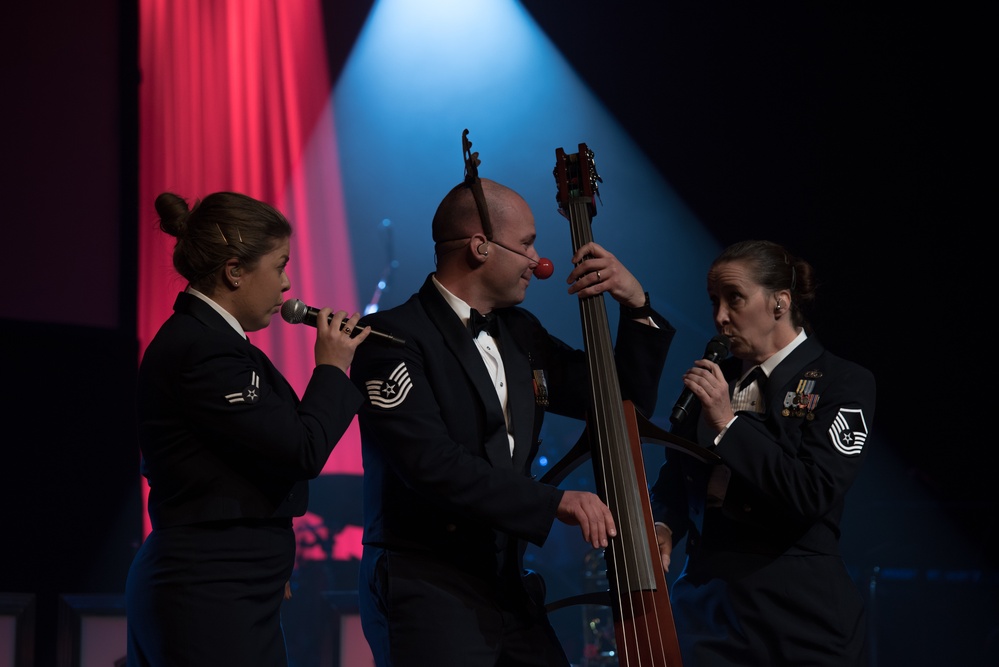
716	350
294	311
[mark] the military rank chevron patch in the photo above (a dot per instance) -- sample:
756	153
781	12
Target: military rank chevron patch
392	391
249	394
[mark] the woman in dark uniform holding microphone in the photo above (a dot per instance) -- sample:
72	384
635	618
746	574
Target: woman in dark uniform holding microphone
764	582
227	446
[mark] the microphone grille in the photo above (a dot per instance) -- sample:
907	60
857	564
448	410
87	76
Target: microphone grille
718	346
293	311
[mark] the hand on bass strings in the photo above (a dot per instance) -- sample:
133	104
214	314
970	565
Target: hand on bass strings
597	271
586	510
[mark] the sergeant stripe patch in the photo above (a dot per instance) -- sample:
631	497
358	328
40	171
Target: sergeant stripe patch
849	431
391	392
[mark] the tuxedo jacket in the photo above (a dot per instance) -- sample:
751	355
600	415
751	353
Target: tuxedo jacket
222	433
438	474
791	466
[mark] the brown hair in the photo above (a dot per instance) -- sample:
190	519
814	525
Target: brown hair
222	226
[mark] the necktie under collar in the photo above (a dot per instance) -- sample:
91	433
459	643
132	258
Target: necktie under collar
755	374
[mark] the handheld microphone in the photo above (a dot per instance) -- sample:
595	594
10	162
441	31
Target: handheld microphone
294	311
543	267
716	350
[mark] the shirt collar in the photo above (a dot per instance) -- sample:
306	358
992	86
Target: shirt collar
770	364
461	309
220	310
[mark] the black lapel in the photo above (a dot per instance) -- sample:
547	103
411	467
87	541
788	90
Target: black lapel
458	339
800	356
520	393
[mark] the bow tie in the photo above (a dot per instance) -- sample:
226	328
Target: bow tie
477	322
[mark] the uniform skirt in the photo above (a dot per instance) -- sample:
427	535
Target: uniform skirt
210	594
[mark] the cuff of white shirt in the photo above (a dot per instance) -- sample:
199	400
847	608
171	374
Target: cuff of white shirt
722	433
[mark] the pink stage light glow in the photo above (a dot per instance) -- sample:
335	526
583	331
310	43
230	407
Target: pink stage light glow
235	95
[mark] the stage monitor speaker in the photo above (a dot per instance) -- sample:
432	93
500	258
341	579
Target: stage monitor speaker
933	616
92	631
17	629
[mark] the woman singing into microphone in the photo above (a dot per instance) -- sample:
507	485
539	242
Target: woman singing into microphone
227	446
764	582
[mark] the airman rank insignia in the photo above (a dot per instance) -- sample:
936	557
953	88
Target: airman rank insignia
392	391
849	431
249	394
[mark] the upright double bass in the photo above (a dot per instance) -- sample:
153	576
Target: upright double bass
644	632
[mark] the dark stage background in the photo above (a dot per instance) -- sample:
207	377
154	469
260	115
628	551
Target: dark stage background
846	133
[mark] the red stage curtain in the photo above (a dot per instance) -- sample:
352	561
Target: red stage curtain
235	95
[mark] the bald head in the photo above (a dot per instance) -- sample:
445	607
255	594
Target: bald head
457	216
486	270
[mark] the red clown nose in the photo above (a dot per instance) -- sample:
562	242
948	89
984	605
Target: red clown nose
544	269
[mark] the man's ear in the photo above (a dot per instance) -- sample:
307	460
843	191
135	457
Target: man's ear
479	245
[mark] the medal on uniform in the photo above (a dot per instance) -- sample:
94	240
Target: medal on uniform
540	387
